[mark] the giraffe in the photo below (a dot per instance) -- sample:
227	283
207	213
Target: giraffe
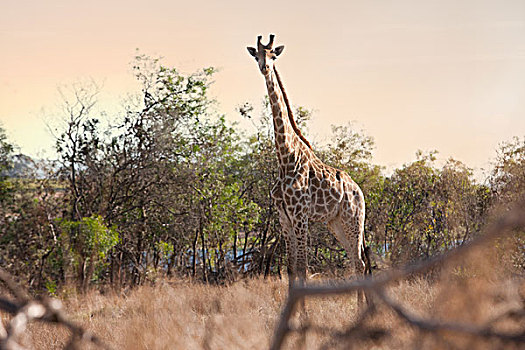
307	189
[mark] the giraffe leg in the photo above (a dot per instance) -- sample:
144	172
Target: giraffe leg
301	234
345	229
354	230
287	232
290	243
291	254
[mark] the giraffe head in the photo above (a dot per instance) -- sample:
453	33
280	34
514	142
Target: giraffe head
265	54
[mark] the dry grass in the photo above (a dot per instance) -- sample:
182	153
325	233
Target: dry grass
177	315
243	315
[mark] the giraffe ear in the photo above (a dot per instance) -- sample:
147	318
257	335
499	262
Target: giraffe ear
252	51
278	50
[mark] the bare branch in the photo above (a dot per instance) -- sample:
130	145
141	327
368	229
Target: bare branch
25	310
438	326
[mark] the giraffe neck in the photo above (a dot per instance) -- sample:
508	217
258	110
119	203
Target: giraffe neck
286	138
289	109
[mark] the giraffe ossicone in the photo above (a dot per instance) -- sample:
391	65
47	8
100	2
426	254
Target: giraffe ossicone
307	190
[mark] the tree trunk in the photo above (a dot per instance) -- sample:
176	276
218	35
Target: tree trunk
235	248
246	234
204	272
194	252
270	258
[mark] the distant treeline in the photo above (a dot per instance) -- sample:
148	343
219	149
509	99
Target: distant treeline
169	188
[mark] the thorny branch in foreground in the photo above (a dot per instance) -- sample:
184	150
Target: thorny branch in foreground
514	219
25	310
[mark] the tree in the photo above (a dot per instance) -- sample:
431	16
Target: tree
88	241
508	176
6	154
423	210
27	231
261	252
164	175
507	183
223	209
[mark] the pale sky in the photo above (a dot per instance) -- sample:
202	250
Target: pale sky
444	75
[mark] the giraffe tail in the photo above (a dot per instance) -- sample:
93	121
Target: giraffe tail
366	252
